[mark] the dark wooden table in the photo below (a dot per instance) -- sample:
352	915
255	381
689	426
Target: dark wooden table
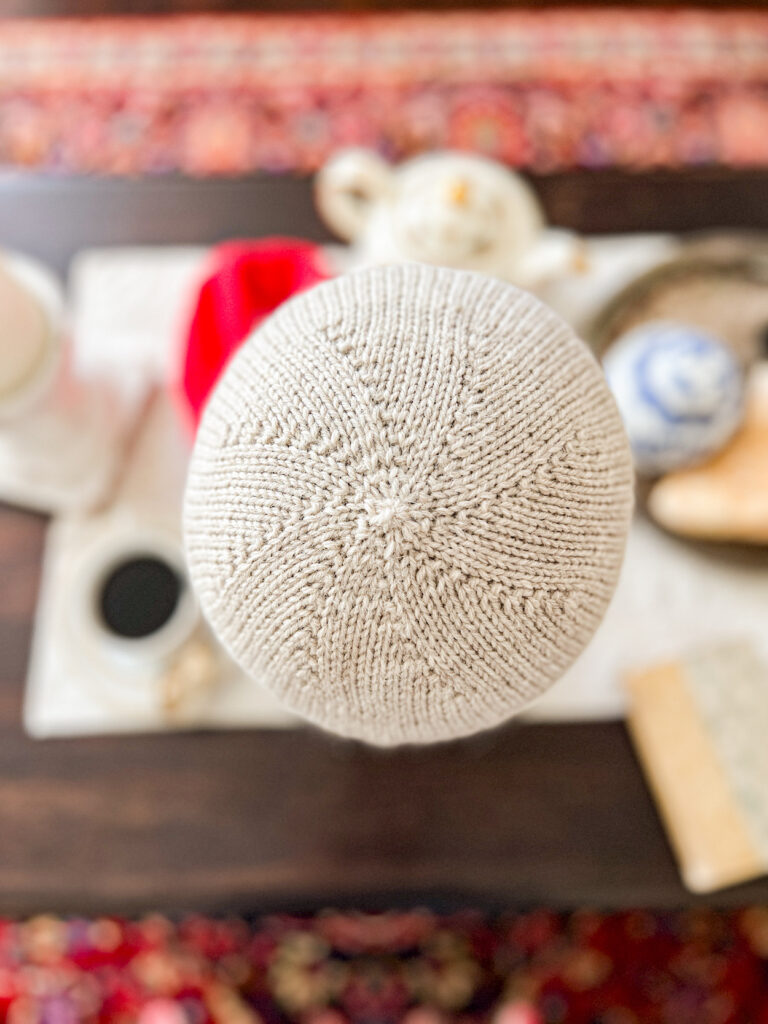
552	814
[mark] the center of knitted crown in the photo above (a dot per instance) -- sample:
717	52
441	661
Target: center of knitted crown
388	512
399	517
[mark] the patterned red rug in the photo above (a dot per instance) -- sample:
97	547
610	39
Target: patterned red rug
695	967
232	94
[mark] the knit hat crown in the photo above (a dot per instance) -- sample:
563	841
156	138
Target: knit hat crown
407	502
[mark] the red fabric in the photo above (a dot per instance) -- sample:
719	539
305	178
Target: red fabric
247	282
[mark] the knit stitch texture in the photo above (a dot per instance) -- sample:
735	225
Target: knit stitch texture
407	503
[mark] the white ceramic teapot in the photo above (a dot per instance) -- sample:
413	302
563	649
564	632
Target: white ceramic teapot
447	208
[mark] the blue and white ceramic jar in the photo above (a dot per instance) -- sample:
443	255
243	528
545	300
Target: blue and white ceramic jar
680	392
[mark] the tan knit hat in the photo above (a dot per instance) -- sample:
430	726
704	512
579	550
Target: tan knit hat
407	503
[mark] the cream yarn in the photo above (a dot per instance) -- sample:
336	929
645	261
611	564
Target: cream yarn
407	502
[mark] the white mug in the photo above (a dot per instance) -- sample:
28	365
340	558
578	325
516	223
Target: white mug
151	649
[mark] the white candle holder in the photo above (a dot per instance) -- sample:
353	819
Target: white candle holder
58	433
